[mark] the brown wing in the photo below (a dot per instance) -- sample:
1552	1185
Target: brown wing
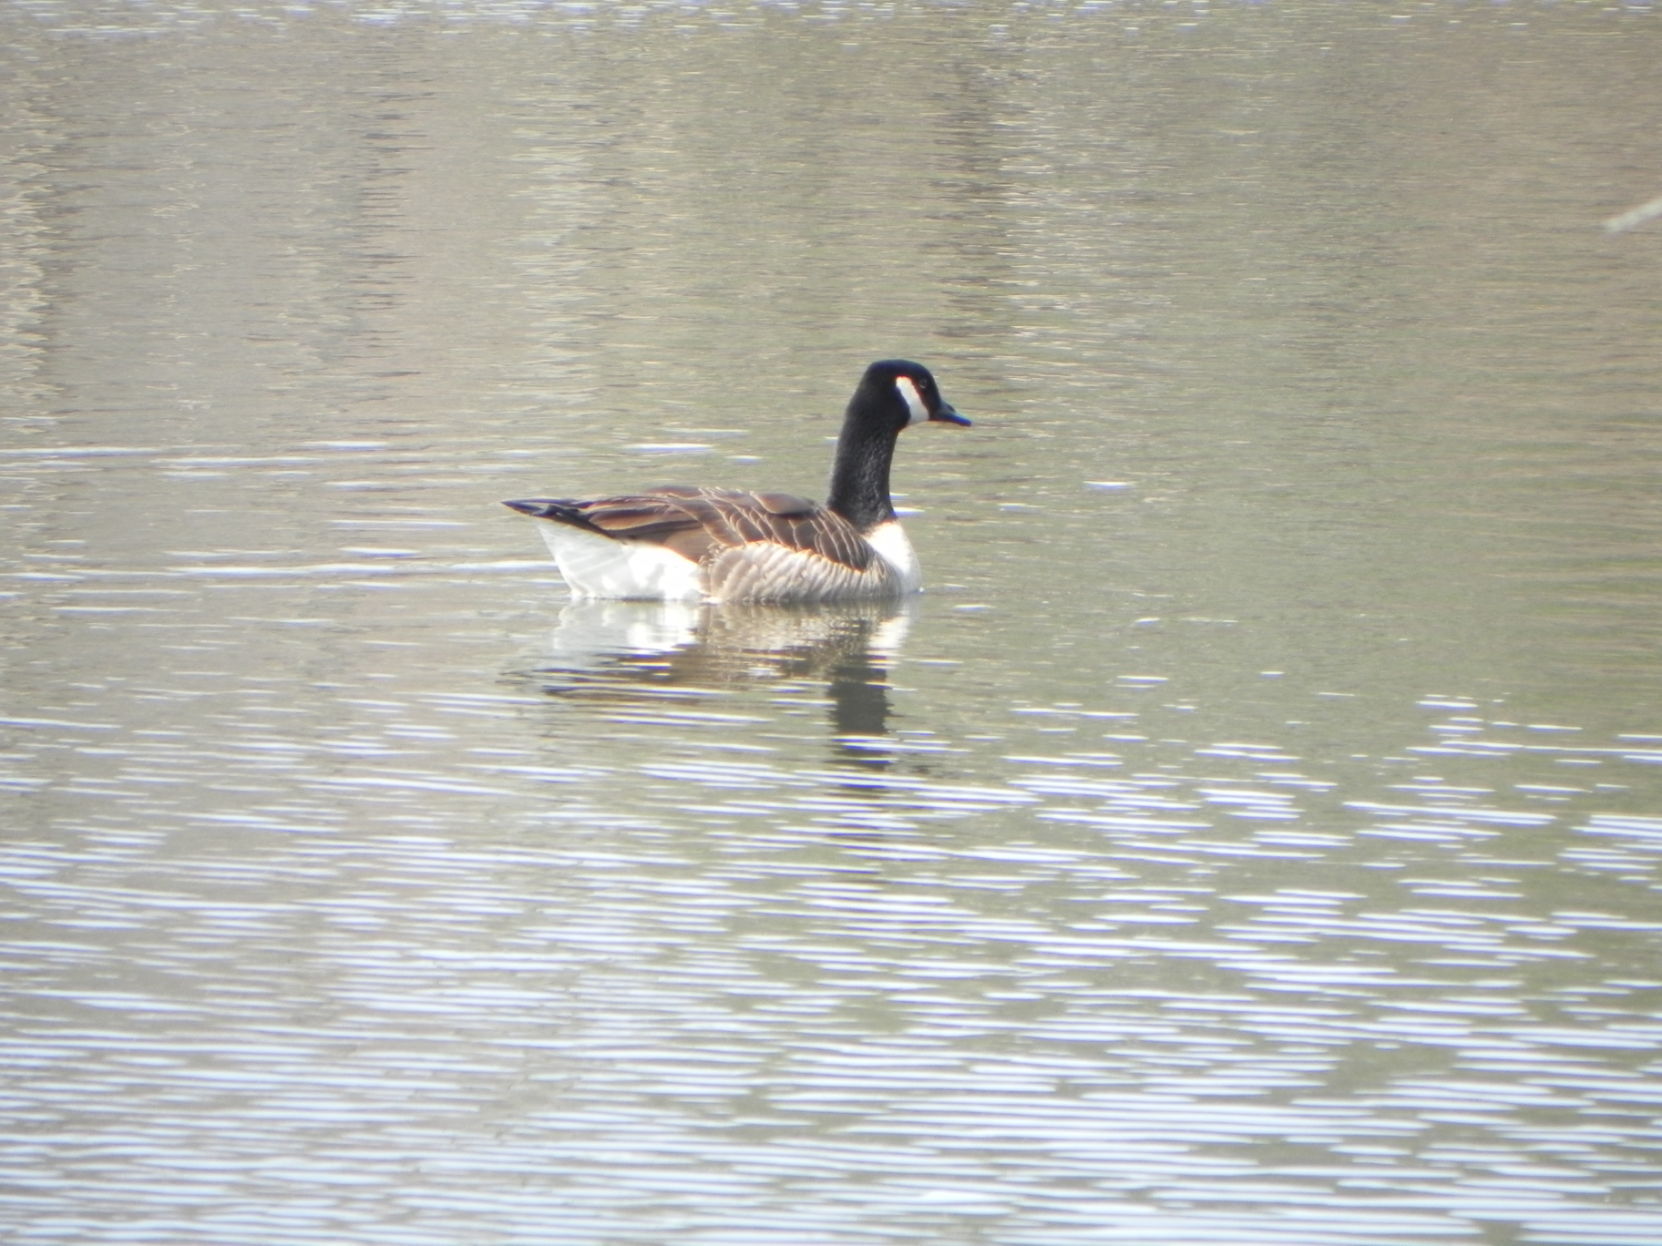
698	523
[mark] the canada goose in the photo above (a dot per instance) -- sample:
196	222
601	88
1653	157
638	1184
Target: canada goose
691	543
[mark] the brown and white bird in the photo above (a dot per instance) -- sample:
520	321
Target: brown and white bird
693	543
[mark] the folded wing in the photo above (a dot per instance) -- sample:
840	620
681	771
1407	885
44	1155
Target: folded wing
700	524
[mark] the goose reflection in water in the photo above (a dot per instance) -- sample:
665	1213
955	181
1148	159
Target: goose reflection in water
643	655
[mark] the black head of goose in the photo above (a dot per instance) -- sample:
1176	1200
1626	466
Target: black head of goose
692	543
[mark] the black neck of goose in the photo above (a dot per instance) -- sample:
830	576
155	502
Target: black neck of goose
860	476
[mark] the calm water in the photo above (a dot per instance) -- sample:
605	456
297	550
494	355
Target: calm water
1252	838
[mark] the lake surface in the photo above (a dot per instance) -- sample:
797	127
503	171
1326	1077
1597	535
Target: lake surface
1252	837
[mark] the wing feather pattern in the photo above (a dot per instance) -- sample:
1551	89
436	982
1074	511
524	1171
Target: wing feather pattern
748	546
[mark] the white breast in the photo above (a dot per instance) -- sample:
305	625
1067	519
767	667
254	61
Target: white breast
889	540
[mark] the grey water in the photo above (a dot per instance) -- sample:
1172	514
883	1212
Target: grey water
1251	837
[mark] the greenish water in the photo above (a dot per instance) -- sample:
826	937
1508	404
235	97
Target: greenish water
1251	836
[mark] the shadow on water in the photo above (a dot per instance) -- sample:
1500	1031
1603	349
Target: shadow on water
633	656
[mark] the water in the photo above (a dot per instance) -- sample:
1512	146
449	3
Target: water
1252	836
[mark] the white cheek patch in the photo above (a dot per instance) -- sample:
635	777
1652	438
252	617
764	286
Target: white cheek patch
914	400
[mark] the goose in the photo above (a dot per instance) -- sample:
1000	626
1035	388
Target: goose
695	543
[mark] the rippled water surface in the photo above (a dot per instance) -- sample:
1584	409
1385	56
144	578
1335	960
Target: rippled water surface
1251	837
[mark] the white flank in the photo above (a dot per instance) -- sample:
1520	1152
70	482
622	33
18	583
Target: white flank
914	400
597	566
889	540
